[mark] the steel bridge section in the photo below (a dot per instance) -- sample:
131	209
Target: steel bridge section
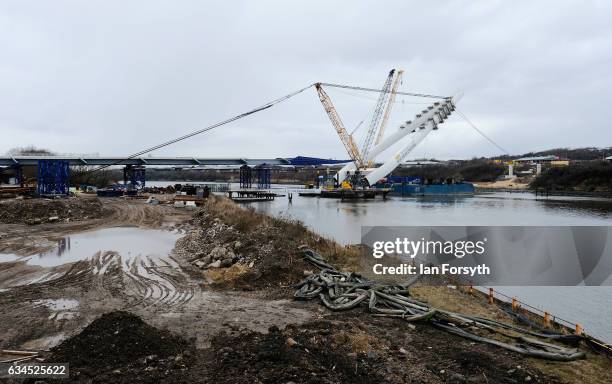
151	161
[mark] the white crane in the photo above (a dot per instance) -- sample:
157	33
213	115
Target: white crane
410	133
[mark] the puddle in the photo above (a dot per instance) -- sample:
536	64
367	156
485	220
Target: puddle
58	304
131	243
141	256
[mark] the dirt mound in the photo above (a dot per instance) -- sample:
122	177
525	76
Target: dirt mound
359	349
120	344
291	356
238	248
37	211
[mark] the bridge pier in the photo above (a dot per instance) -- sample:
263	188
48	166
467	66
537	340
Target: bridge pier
263	177
136	176
246	177
53	178
261	172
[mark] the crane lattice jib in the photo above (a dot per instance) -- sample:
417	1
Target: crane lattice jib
383	124
346	139
378	112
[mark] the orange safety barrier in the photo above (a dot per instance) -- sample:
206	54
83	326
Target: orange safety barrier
547	318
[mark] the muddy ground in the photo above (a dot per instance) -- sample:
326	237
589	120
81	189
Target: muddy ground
221	303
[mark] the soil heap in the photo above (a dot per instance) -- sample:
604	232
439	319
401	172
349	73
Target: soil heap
38	211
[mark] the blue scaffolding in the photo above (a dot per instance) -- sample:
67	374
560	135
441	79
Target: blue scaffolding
135	175
246	177
53	177
263	177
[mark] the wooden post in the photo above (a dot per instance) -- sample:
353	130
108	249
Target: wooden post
490	295
514	304
578	329
546	319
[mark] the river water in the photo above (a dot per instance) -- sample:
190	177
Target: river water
342	221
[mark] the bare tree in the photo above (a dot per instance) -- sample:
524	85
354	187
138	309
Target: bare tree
29	150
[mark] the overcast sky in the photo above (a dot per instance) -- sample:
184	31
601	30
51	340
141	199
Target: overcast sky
114	77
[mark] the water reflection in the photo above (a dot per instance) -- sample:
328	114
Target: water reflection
127	242
342	220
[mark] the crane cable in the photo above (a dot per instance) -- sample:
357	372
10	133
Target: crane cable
245	114
481	132
210	127
380	90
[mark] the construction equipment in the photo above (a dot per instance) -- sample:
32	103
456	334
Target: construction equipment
383	123
378	112
346	139
356	173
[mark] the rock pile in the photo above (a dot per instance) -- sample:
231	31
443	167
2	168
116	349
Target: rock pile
218	245
263	256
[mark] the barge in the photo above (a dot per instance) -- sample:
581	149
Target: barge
432	189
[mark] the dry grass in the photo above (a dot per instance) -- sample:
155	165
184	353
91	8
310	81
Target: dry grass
227	276
294	233
457	300
231	214
595	369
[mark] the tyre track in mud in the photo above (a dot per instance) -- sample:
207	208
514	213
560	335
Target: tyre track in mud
158	289
102	283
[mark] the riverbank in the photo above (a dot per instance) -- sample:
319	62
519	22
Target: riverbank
238	320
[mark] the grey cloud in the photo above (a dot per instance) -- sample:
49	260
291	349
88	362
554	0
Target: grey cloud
114	77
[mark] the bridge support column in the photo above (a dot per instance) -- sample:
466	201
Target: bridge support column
263	177
53	177
246	177
135	175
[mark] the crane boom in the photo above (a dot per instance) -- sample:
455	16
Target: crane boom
416	130
378	111
383	124
346	139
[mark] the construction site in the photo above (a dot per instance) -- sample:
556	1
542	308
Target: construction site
182	284
208	296
301	193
